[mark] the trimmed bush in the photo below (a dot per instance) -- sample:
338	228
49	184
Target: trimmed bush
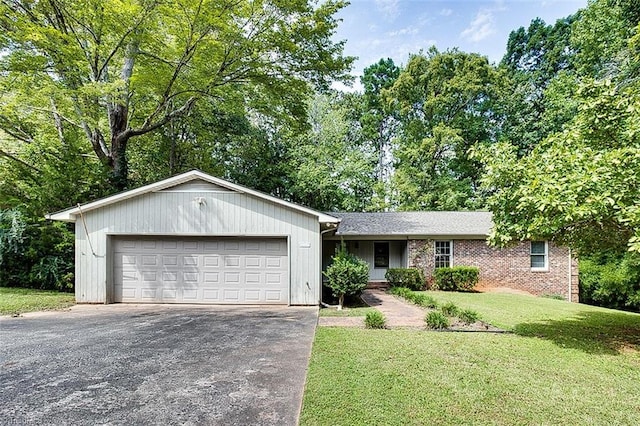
411	278
468	316
347	274
436	320
375	319
457	278
450	309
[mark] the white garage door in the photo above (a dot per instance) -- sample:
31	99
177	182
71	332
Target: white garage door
200	270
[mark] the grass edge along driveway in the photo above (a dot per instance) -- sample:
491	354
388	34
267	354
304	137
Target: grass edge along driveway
16	301
564	364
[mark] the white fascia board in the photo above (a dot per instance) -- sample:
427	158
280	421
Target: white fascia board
71	214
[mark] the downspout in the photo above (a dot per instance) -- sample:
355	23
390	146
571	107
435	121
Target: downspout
570	276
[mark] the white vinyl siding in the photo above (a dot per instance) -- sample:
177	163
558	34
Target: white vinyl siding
178	213
539	255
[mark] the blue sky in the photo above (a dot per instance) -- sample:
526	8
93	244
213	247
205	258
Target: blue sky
377	29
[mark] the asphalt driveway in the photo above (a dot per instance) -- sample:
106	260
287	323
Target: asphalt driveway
136	364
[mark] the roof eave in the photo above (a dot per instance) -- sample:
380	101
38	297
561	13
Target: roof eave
69	215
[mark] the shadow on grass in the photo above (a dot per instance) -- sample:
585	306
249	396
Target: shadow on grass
592	332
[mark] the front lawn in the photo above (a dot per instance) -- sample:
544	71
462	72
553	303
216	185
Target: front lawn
564	364
14	301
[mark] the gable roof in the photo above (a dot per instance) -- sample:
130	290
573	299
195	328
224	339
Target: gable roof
71	214
435	223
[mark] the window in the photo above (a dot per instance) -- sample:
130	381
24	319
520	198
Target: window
443	253
539	256
381	255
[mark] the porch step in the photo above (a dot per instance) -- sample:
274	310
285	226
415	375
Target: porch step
377	285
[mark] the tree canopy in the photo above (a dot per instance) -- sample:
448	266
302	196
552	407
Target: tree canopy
110	71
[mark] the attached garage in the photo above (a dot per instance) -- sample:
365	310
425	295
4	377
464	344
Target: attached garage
195	238
200	270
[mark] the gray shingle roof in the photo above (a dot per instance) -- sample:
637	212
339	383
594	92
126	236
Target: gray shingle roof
415	223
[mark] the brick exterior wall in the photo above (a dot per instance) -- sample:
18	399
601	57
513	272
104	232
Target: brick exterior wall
506	267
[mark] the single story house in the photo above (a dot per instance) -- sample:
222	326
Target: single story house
433	239
195	238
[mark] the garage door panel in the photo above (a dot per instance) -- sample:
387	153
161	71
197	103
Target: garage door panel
200	270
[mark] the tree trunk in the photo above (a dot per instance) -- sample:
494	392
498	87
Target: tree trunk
340	302
120	168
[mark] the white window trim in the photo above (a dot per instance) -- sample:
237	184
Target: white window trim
450	254
544	268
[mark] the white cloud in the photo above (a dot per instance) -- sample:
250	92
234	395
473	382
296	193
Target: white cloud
482	26
410	30
446	12
355	87
389	8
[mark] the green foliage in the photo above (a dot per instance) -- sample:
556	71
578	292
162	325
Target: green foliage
375	319
444	101
412	278
418	298
436	320
537	99
450	309
109	73
379	121
42	256
468	316
457	278
611	280
331	167
347	274
12	230
401	292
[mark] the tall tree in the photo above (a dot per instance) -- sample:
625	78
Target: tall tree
579	186
380	120
446	106
331	167
118	70
539	62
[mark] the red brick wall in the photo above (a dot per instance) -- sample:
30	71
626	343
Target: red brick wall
506	267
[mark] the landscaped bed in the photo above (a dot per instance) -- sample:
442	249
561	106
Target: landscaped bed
564	363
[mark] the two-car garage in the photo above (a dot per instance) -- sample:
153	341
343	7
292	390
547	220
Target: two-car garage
195	238
200	270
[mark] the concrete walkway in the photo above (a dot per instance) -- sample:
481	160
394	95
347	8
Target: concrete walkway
398	313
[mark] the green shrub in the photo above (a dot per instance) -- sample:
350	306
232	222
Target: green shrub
424	300
375	319
411	278
419	299
611	280
35	253
436	320
347	274
468	316
457	278
401	292
450	309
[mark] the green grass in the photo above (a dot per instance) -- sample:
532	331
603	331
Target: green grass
564	363
14	301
